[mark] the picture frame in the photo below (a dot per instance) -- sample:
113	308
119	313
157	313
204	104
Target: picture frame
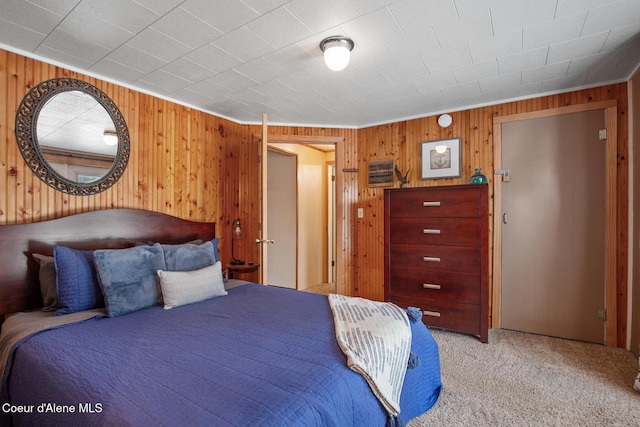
380	173
441	159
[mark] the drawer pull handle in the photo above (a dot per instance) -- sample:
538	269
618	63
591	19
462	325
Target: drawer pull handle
430	231
430	259
428	204
430	286
431	313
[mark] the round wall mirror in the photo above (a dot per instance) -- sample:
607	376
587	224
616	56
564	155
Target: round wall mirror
72	136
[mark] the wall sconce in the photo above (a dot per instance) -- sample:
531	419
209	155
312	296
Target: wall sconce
110	137
337	52
235	234
445	121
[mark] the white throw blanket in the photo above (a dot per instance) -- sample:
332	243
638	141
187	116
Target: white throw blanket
376	338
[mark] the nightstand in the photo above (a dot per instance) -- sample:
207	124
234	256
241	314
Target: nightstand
244	268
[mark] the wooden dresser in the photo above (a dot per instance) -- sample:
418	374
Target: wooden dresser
436	254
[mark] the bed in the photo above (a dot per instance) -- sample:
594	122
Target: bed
248	355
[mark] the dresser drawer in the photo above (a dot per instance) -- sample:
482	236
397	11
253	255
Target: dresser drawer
436	231
435	203
438	286
445	314
452	259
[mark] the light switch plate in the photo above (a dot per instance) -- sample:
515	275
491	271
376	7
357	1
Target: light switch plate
360	212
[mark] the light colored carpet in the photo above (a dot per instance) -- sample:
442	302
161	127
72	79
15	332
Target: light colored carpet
520	379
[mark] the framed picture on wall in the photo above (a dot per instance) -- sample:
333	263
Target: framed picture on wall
380	173
441	159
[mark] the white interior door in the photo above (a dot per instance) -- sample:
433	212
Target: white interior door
553	228
282	202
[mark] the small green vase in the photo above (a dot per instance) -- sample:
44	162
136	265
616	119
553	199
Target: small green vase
478	178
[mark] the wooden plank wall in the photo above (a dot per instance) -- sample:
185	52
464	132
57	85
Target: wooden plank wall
183	162
195	165
401	141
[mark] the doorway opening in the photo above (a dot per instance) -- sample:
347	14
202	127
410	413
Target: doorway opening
331	223
337	143
303	254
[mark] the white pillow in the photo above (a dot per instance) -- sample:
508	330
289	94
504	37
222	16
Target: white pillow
186	287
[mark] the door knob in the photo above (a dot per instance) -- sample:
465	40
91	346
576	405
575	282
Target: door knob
265	241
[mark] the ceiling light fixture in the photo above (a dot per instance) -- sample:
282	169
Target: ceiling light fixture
337	51
110	137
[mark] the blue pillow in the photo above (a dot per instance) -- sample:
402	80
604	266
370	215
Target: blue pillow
128	277
76	282
216	254
189	257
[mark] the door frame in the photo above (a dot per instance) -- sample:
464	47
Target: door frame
330	215
264	137
611	123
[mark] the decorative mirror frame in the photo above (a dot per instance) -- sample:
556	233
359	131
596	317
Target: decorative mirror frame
26	134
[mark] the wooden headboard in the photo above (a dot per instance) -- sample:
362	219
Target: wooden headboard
105	229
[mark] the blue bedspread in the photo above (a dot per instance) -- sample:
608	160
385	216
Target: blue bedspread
260	356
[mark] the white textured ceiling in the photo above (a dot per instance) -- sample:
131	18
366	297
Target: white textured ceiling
412	58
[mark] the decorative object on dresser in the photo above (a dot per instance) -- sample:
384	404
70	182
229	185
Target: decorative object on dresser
436	254
404	179
478	177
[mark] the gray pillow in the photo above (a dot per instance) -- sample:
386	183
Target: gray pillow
186	287
47	278
128	277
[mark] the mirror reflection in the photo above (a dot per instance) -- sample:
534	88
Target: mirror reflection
77	136
72	136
